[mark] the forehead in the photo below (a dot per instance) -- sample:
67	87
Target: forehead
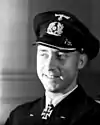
45	48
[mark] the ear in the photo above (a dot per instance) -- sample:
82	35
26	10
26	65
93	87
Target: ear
82	61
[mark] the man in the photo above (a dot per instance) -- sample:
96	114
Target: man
64	47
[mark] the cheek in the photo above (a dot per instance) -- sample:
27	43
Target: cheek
40	64
70	68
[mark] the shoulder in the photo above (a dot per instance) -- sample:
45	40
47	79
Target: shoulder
92	105
21	111
88	112
24	108
88	102
92	110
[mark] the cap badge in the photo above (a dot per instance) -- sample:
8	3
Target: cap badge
60	16
55	28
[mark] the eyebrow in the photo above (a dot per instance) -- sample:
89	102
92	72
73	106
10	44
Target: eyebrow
43	50
58	51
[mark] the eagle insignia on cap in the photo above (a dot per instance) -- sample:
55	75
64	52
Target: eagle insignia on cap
60	16
55	28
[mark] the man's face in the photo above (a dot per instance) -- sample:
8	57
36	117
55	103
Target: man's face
56	70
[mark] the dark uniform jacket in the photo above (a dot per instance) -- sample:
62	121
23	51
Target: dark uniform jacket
76	109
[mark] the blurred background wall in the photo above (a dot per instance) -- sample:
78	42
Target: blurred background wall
18	80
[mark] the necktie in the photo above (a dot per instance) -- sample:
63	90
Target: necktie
47	111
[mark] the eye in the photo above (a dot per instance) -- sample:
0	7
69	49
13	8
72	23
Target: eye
62	56
43	54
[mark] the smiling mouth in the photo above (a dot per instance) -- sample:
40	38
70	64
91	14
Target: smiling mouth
52	77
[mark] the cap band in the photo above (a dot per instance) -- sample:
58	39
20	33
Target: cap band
60	48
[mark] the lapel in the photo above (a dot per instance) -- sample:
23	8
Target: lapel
34	114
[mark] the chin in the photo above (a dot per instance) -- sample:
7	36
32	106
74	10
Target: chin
53	89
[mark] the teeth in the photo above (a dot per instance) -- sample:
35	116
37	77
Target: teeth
51	77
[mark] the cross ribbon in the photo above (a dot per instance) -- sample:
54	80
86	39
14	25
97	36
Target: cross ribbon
47	112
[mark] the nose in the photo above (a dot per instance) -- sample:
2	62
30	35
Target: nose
52	62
